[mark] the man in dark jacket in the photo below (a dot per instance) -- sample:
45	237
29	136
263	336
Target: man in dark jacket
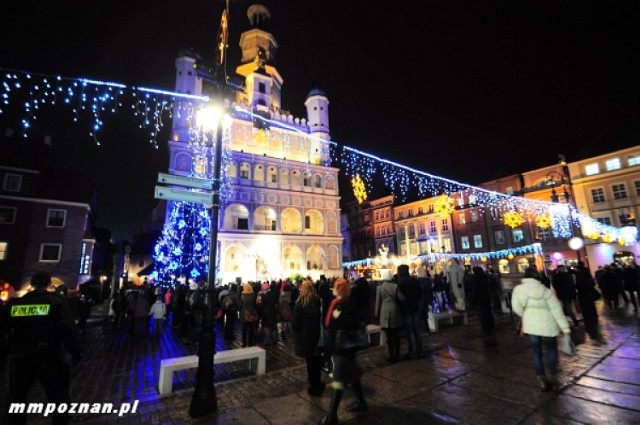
43	343
410	310
562	283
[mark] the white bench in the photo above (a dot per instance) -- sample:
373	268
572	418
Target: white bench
375	329
434	319
257	362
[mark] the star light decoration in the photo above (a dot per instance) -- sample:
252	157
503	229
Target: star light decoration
30	93
359	189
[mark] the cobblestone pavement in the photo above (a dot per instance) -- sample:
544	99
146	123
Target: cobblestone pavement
465	379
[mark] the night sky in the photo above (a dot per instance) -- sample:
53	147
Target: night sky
465	90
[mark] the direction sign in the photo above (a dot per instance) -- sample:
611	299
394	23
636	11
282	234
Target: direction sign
193	182
184	195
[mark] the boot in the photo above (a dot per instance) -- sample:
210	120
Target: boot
359	405
332	417
544	385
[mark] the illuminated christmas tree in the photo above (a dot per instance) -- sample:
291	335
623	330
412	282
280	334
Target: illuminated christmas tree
183	249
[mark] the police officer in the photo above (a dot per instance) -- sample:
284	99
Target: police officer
43	343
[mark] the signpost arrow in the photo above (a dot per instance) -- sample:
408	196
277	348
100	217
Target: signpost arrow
184	195
193	182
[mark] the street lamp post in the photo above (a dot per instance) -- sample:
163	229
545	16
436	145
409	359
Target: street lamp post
203	400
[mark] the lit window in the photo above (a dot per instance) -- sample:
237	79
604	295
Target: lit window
50	252
633	160
517	235
499	236
619	191
56	218
7	215
591	169
597	195
12	182
3	250
613	164
477	241
474	216
464	241
473	200
509	190
462	219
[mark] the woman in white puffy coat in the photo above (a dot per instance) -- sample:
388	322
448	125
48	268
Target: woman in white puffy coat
542	320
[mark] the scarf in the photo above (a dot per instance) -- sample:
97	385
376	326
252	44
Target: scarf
329	316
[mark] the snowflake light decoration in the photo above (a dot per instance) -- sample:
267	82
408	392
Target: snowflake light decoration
513	219
359	189
544	221
443	205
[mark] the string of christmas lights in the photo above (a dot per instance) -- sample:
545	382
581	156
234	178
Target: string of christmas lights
151	105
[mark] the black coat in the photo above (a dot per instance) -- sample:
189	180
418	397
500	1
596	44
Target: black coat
410	288
306	324
563	285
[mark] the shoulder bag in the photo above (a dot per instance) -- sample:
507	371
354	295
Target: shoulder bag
352	339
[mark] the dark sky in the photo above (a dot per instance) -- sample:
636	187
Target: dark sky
459	89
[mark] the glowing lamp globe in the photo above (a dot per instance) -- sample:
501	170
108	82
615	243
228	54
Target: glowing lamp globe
576	243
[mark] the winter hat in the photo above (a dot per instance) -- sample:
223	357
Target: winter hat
341	286
247	288
265	286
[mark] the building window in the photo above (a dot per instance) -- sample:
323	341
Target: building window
56	218
307	222
3	250
12	182
509	190
421	229
432	227
445	224
262	88
544	234
637	186
85	260
50	252
431	209
613	164
243	223
591	169
619	191
597	195
401	232
477	241
387	214
446	243
473	200
604	220
412	231
499	236
633	160
464	242
7	215
517	235
420	211
377	215
244	174
474	216
462	219
401	215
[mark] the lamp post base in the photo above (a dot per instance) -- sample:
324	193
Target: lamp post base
203	400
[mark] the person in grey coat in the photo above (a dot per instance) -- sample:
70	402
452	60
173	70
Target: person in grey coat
388	299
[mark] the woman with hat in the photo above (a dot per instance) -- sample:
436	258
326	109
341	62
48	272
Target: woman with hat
343	315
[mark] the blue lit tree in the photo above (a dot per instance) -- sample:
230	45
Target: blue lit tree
183	248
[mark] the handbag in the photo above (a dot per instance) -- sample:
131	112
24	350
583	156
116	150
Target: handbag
250	316
352	339
567	346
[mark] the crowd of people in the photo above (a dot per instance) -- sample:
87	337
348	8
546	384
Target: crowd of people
318	315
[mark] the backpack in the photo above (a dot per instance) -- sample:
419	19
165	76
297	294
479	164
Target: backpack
227	303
